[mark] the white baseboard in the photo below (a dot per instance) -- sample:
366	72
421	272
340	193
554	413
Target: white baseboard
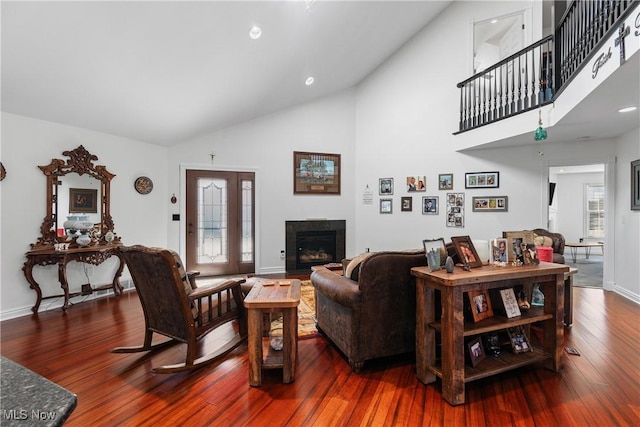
627	294
56	303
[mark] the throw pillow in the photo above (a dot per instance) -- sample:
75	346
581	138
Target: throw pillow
353	268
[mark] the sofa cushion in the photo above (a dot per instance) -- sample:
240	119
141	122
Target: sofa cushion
352	271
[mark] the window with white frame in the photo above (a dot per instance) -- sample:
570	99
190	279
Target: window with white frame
594	211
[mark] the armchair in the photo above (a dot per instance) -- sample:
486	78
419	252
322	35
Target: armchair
554	240
175	307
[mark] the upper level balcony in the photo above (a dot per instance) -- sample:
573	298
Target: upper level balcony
574	82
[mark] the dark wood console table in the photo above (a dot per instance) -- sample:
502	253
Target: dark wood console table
452	328
95	255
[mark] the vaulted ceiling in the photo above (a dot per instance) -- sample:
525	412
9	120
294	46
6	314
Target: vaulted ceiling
163	72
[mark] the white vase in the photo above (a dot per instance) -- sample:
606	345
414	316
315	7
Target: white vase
83	240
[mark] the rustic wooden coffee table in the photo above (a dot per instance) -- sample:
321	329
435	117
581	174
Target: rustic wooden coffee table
266	297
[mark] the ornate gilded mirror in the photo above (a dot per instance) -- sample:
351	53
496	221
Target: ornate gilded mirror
71	190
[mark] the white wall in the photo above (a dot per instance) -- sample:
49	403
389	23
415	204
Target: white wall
27	143
570	193
627	233
266	145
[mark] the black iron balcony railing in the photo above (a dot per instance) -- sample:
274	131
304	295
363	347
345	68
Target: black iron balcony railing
584	25
518	83
527	79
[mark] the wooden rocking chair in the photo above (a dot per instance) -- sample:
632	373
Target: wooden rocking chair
173	306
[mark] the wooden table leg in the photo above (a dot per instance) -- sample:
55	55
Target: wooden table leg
425	336
453	348
289	344
553	334
254	320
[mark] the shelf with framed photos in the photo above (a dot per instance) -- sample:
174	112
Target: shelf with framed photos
443	332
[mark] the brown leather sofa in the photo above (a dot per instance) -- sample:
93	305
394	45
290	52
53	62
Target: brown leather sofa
370	314
555	240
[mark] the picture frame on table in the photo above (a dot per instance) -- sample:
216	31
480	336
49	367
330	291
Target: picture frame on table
516	242
490	204
83	200
406	204
475	349
499	251
466	251
385	186
482	180
519	341
510	303
436	253
386	206
480	304
445	181
430	205
316	173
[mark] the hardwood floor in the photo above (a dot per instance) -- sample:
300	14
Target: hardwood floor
601	387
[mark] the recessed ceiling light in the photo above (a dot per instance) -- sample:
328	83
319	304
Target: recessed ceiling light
494	21
255	32
309	81
627	109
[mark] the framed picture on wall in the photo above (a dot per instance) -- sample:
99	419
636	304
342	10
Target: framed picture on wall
406	204
430	205
490	204
386	206
316	173
445	181
385	186
482	180
416	183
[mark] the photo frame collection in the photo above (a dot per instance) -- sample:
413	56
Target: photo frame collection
430	205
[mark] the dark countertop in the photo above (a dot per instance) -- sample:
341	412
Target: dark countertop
29	399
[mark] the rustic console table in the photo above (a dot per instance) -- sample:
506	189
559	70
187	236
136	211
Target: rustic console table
452	328
91	255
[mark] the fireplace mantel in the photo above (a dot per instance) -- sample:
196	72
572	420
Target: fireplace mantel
300	236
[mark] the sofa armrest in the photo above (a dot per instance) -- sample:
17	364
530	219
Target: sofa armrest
337	288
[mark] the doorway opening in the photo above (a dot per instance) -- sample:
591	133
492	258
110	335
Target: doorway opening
577	210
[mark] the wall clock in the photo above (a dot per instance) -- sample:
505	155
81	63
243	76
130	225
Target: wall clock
143	185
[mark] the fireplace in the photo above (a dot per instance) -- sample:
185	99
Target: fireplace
313	242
